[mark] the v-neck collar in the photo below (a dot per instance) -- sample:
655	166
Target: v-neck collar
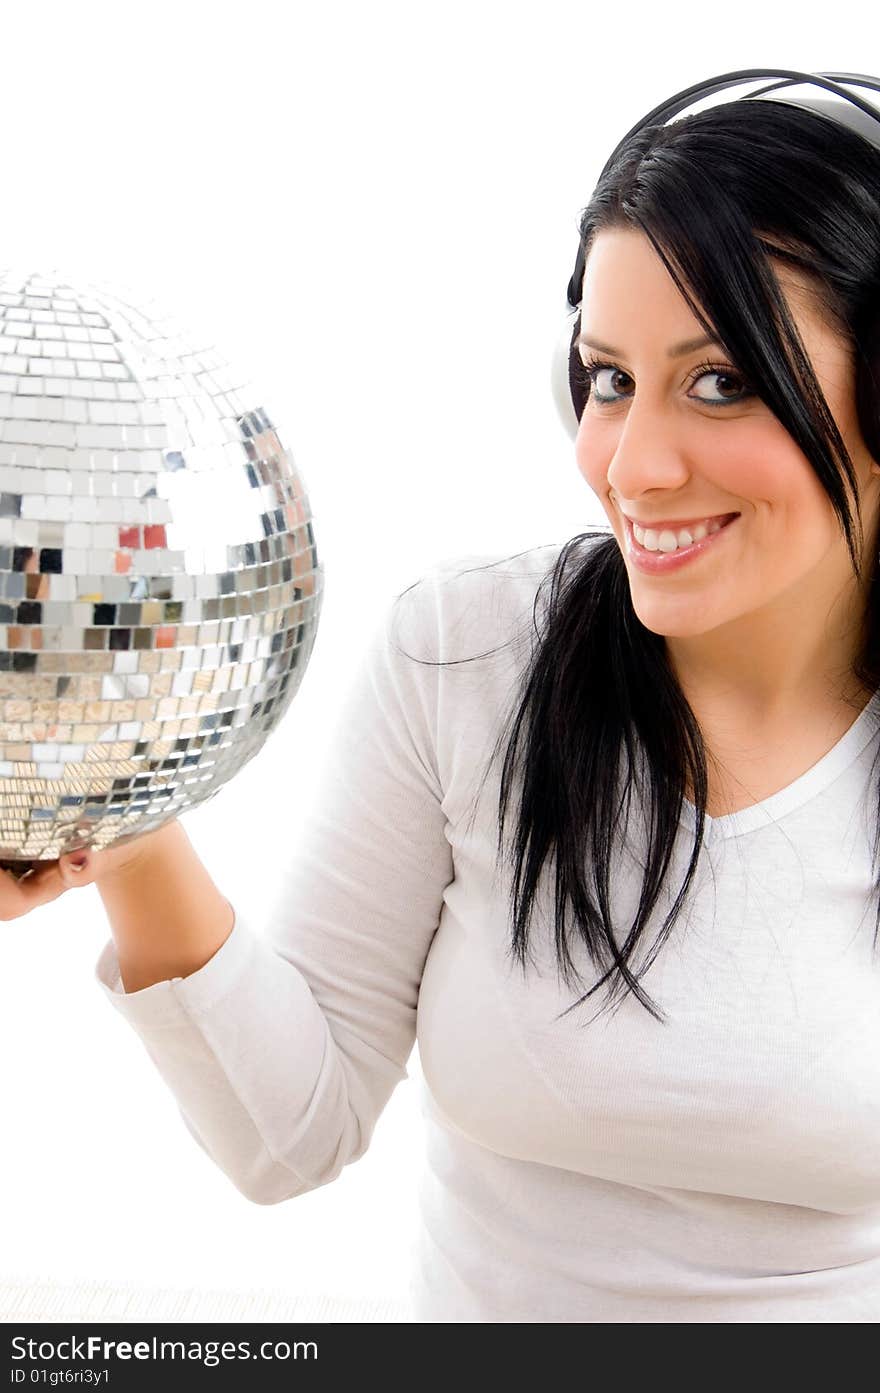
806	786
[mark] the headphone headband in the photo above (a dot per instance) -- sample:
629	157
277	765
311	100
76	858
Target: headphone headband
859	115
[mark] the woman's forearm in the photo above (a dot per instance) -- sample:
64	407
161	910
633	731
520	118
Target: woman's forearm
167	916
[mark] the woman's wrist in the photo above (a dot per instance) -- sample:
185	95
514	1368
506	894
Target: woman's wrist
119	862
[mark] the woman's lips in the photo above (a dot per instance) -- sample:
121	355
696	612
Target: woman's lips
660	562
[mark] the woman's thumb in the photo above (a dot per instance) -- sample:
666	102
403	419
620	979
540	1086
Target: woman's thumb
77	868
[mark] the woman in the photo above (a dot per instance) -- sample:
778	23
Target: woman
637	769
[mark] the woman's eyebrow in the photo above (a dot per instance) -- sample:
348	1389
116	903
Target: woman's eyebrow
676	351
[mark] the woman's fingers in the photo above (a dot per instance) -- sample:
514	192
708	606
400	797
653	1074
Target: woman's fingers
18	897
84	867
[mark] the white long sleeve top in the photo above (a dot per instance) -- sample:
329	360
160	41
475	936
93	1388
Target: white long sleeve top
721	1167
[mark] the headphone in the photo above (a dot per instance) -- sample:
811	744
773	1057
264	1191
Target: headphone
853	111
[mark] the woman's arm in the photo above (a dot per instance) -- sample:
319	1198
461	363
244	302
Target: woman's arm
167	916
283	1042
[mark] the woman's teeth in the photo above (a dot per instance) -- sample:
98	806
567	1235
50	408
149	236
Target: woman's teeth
673	541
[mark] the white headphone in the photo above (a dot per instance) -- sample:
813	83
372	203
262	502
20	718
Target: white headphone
843	106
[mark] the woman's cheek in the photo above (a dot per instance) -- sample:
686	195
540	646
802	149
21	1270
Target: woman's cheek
594	452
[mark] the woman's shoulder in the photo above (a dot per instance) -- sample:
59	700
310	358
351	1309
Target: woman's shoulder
473	598
483	593
466	578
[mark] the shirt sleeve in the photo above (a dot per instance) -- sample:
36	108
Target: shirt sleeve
284	1048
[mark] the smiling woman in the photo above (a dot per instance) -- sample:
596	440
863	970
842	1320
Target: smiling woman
755	648
709	1151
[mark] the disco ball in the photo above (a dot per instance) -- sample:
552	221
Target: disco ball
159	580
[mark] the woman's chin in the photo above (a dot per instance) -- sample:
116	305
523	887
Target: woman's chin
678	617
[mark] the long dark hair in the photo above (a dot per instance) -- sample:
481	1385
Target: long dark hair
720	194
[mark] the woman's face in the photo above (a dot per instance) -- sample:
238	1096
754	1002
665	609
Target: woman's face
676	442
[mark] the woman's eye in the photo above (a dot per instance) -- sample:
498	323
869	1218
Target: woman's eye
712	385
612	382
727	382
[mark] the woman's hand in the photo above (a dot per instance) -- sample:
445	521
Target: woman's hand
52	878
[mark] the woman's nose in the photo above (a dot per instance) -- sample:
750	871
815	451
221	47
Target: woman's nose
649	454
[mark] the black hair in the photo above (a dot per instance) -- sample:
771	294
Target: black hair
720	194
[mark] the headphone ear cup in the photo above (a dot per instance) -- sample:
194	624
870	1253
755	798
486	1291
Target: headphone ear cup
566	394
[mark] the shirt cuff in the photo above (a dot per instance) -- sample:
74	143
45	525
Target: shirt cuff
166	1002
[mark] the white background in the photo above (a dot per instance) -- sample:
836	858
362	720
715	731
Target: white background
375	205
